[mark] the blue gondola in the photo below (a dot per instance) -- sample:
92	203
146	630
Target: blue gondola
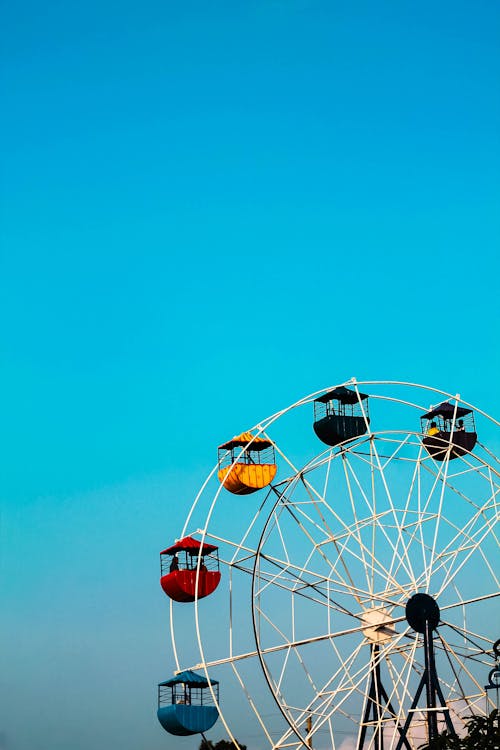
185	704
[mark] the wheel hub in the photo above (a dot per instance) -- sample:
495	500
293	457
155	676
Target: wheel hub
380	627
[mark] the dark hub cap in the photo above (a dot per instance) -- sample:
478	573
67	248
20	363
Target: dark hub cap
422	609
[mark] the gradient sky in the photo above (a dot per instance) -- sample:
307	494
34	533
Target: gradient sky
209	210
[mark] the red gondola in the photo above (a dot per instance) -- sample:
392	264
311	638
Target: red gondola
179	570
449	431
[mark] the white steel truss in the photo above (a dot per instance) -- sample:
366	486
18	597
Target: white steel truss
328	558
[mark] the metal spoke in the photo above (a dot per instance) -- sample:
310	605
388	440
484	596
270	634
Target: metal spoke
329	556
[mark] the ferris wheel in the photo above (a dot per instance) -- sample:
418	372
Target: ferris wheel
339	582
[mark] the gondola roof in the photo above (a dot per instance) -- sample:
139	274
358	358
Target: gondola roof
189	545
342	394
242	441
447	411
188	677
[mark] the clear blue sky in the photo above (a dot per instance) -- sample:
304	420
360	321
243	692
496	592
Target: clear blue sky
208	211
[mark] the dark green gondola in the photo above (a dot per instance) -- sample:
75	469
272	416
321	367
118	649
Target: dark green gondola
340	414
449	430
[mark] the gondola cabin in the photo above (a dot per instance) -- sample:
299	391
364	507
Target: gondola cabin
449	430
340	415
246	464
180	578
186	705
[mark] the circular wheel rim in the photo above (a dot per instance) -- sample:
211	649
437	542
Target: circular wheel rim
204	531
387	604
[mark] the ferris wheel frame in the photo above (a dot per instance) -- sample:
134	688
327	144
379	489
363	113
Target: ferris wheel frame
261	430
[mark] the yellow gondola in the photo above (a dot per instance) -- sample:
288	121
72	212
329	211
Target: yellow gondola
246	464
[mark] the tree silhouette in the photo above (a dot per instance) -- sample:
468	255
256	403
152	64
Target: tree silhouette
221	745
483	733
